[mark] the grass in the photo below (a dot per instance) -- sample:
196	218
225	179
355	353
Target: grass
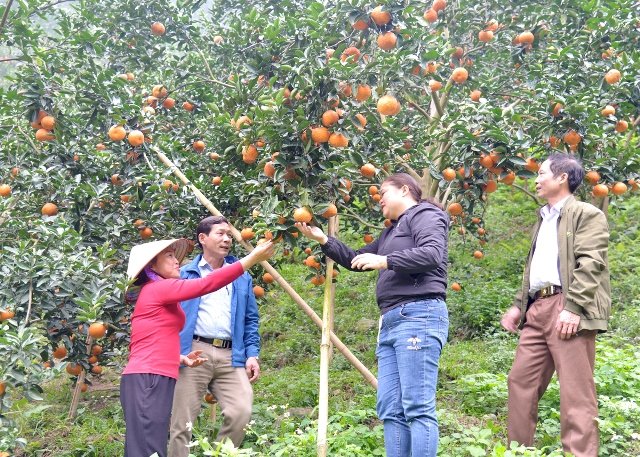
472	387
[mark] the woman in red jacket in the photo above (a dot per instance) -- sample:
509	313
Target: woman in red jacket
148	380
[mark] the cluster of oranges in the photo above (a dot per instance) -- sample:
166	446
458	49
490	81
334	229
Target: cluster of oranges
44	125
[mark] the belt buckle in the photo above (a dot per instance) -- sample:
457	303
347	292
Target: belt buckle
217	342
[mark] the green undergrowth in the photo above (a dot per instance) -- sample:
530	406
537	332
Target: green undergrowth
474	365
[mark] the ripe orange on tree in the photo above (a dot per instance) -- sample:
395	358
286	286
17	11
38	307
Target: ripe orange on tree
258	291
455	209
592	177
555	112
96	369
318	280
368	170
331	211
387	41
157	28
48	122
373	190
199	145
3	389
250	154
368	238
146	233
613	76
117	133
380	17
329	118
188	106
135	138
532	165
302	215
5	190
338	140
435	85
622	126
60	352
361	122
526	37
247	233
448	174
490	186
485	36
350	55
74	369
600	190
360	25
44	135
49	209
97	330
267	278
618	188
216	181
475	95
608	111
572	138
459	75
431	15
96	349
388	105
320	134
169	103
363	92
439	5
92	359
6	314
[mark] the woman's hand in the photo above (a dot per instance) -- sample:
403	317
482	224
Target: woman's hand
260	253
312	232
192	359
369	262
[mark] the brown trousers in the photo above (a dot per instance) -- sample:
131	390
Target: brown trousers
229	385
541	352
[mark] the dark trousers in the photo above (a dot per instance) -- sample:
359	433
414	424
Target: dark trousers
541	352
146	400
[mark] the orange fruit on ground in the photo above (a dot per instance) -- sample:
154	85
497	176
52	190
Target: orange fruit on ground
258	291
351	54
459	75
592	177
380	17
199	145
388	105
74	369
368	238
608	111
97	330
387	41
60	352
475	95
368	170
331	211
329	118
526	37
363	92
455	209
478	254
320	134
618	188
613	76
338	140
572	138
622	126
117	133
250	154
302	215
435	85
267	278
5	190
49	209
157	28
456	287
146	233
247	233
216	180
135	138
600	190
449	174
360	25
269	169
439	5
6	314
44	135
169	103
188	106
362	121
430	15
48	122
485	36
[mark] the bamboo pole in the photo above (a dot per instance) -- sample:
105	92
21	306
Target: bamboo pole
352	359
325	353
75	399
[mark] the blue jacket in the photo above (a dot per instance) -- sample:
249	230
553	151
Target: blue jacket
245	339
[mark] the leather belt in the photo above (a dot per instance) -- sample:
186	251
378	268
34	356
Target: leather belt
547	292
215	342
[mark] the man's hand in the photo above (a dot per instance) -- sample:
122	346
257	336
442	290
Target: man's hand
253	369
511	319
567	324
369	262
192	359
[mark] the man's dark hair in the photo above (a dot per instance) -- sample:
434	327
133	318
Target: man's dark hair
207	224
569	164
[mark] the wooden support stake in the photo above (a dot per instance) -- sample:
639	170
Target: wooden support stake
352	359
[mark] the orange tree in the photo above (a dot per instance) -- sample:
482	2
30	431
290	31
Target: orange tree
276	111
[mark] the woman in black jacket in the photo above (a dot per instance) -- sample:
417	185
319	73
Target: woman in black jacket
411	257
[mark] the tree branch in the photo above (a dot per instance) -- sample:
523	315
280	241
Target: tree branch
535	199
436	103
3	21
348	213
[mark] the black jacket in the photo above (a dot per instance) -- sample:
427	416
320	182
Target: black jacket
417	256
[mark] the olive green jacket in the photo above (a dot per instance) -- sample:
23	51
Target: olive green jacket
583	239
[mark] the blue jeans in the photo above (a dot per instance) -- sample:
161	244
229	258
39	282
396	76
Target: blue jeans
411	339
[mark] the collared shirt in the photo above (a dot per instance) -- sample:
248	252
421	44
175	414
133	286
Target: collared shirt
545	269
214	313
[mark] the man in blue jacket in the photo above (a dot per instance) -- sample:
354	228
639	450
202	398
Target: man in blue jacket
224	325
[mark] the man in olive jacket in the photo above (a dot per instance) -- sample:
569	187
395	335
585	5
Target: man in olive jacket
564	302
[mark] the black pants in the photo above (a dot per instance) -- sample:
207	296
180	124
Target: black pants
146	400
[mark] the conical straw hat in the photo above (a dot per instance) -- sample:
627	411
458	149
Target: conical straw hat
144	253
